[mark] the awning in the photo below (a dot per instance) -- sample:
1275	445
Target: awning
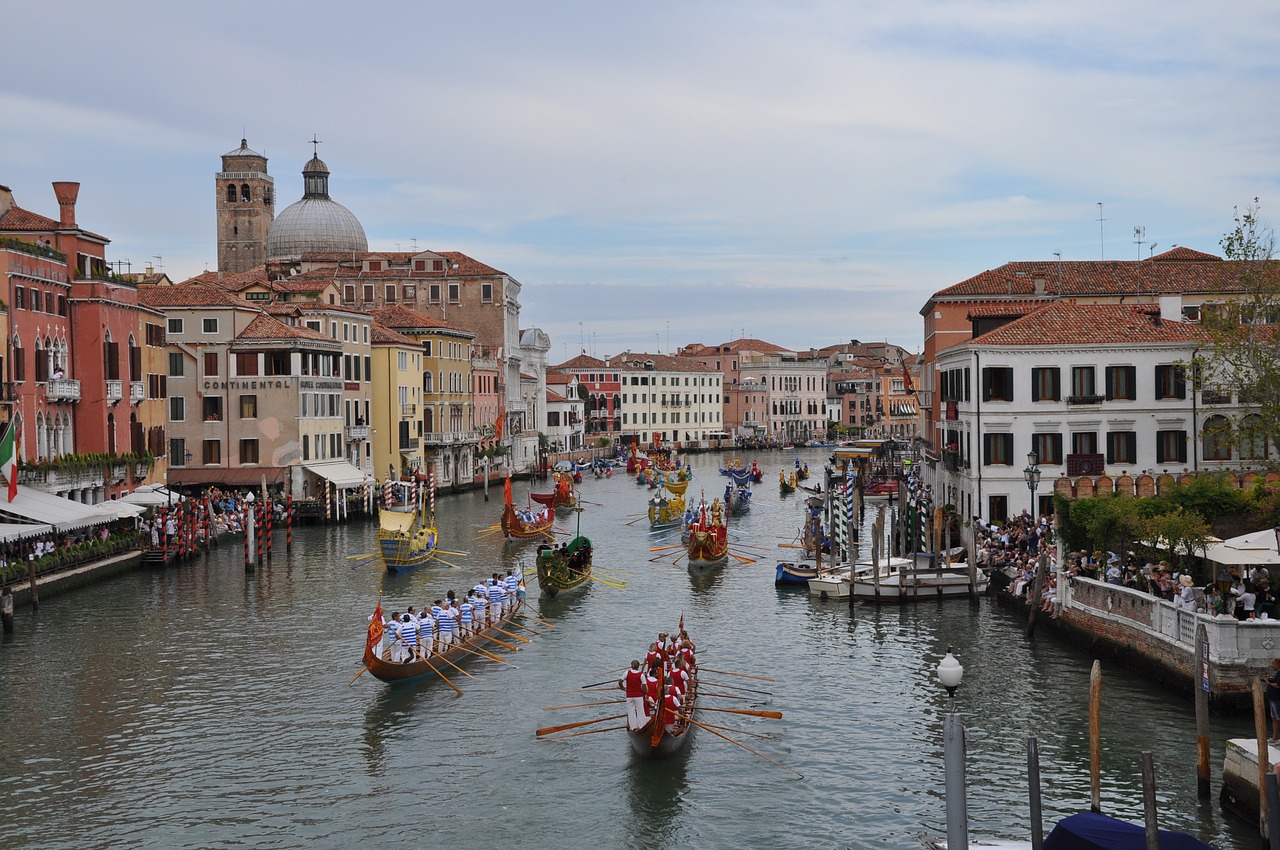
46	508
117	508
339	472
10	531
248	476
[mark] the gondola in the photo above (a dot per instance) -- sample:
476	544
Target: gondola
513	527
399	672
407	536
785	487
564	568
663	735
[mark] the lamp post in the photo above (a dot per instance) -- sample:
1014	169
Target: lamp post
953	754
1032	476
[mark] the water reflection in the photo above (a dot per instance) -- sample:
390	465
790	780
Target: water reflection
656	791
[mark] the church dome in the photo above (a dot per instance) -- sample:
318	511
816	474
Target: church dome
315	223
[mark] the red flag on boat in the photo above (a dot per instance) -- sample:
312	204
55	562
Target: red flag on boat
682	621
375	630
506	490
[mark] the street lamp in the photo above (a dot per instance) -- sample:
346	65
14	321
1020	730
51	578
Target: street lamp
1032	476
953	755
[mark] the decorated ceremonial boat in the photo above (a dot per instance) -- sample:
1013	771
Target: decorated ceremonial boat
738	498
518	528
666	512
407	534
561	497
435	663
786	487
566	567
708	546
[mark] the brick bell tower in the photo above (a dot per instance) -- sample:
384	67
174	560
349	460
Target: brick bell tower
246	203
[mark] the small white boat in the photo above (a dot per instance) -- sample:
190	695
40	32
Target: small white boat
900	580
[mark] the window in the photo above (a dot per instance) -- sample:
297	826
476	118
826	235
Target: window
1045	383
62	305
419	265
366	293
1171	382
349	293
231	193
1217	438
212	408
246	363
455	293
433	293
997	383
276	363
244	193
19	298
1171	447
1122	383
486	293
177	408
177	452
1253	438
211	363
1048	448
175	364
390	296
209	326
248	451
999	509
174	326
1084	442
1082	386
50	303
306	445
212	451
248	407
997	449
410	292
1122	447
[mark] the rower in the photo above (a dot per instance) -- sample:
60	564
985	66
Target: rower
679	676
670	708
409	634
397	645
495	599
436	613
426	633
466	611
633	684
447	623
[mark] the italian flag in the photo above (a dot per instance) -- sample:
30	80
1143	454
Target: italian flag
9	456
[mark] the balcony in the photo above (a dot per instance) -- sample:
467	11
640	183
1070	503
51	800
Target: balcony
450	438
115	391
1085	464
408	410
1085	399
516	406
137	392
62	389
356	433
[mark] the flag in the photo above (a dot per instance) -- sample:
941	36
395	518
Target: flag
506	490
497	425
906	379
9	455
375	631
682	621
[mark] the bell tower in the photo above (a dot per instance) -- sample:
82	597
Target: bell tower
246	203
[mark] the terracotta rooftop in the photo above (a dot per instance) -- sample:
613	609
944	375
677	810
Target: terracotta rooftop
18	220
350	265
403	319
1064	324
1002	311
268	327
189	295
559	378
382	335
582	361
661	362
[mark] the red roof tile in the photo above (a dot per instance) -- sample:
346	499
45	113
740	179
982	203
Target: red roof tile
189	295
385	336
582	361
403	318
1063	323
268	327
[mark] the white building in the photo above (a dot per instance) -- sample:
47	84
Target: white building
1096	391
668	399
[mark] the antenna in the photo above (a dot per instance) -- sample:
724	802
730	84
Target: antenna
1058	254
414	242
1139	236
1102	242
159	261
1152	250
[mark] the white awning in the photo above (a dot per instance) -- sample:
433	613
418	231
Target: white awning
10	531
117	508
339	472
62	514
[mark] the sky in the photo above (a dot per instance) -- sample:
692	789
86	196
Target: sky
664	173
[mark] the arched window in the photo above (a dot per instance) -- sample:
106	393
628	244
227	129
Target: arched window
428	417
42	445
231	193
111	433
244	193
1216	438
426	382
1253	438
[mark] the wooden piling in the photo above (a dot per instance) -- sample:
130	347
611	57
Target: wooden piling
1042	567
288	524
1202	712
973	563
31	582
1149	801
1095	737
1264	760
6	609
1033	792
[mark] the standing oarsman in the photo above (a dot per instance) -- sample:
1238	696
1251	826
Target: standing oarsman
465	614
426	633
495	600
436	613
447	623
409	636
633	683
393	632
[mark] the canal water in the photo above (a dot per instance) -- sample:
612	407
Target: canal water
202	707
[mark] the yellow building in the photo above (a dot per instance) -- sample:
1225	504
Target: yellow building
396	436
447	417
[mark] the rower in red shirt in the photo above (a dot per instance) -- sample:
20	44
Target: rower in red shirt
633	683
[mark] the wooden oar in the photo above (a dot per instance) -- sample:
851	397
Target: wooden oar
534	610
737	688
464	672
721	696
459	554
790	546
614	689
365	555
739	731
535	619
551	730
665	548
475	650
608	582
744	746
522	626
510	634
742	559
752	712
588	732
363	670
748	546
611	673
487	636
585	704
637	519
436	557
424	660
741	675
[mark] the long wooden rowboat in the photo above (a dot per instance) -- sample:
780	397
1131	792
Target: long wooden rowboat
564	570
664	735
514	527
395	673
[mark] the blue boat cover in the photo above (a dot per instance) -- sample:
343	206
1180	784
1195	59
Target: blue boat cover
1091	831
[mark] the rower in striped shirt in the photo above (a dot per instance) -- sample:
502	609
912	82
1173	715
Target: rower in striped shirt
447	623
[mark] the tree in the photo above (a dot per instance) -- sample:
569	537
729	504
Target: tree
1245	350
1180	533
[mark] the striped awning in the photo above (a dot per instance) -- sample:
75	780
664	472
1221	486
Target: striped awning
902	408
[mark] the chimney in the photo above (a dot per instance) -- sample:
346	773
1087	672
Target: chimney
67	194
6	199
1039	285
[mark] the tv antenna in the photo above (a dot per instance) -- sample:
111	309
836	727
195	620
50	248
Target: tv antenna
1102	242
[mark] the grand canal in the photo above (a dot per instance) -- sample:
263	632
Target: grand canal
205	707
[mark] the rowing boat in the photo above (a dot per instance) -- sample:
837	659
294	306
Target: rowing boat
666	733
567	567
399	672
407	536
708	546
514	527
